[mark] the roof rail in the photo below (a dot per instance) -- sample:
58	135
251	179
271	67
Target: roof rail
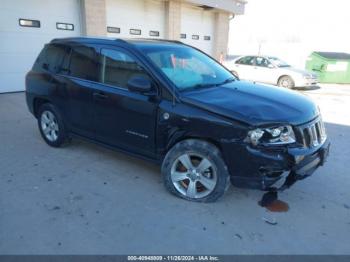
157	39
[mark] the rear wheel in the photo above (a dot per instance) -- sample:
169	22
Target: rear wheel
51	125
194	170
286	82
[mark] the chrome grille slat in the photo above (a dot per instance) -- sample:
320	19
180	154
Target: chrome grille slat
314	138
314	133
319	132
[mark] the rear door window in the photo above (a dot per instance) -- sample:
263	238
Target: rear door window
84	63
262	62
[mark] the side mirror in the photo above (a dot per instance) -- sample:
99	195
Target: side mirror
270	66
139	84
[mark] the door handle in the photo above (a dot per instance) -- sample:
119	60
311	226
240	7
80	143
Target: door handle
100	95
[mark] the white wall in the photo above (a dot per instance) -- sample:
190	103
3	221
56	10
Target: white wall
150	15
19	46
197	21
291	29
146	15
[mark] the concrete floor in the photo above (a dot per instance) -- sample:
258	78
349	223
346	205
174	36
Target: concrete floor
84	199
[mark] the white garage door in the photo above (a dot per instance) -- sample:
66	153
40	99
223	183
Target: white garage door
197	27
133	18
20	45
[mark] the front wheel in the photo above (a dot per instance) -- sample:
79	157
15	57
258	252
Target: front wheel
194	170
286	82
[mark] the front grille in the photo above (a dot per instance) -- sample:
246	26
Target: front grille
313	134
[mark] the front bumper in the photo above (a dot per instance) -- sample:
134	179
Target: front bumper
306	82
265	167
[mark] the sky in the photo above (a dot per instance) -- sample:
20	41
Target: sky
291	29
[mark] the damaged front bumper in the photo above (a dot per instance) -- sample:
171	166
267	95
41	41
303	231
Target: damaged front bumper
310	162
306	167
276	168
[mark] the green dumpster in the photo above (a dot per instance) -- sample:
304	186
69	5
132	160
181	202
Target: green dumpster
330	67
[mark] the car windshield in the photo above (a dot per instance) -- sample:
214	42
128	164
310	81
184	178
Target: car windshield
278	62
188	68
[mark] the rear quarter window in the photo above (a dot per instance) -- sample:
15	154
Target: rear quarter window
50	58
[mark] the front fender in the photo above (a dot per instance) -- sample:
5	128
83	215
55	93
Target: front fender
186	122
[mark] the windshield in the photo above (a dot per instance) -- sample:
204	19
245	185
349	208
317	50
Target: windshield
188	68
278	62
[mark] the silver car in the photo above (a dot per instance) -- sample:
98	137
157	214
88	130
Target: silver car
270	70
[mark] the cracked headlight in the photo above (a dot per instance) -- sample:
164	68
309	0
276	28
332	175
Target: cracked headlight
271	136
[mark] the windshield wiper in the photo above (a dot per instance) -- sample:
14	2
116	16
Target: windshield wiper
200	86
228	80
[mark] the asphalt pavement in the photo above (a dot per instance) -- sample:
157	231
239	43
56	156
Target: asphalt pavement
85	199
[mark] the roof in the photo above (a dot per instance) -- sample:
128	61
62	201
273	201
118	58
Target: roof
334	55
101	40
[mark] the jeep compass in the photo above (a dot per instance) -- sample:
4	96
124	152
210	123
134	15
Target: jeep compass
170	103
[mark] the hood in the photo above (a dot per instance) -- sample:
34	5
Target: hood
298	71
254	104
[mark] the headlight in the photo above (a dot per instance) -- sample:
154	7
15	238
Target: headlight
271	136
307	76
311	76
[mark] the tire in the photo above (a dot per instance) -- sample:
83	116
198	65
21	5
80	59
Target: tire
54	134
286	82
192	162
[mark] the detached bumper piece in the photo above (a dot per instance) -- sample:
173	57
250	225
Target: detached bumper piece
306	167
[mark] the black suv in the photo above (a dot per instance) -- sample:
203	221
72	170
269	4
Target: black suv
170	103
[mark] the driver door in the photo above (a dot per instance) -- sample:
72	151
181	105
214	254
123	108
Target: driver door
122	118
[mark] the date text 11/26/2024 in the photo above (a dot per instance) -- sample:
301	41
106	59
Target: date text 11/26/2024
173	258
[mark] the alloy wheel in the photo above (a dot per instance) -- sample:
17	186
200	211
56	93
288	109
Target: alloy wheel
193	175
49	126
286	83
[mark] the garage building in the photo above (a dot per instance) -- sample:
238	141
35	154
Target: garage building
26	25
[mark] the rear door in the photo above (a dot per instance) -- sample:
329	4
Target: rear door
77	76
245	68
265	71
123	118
